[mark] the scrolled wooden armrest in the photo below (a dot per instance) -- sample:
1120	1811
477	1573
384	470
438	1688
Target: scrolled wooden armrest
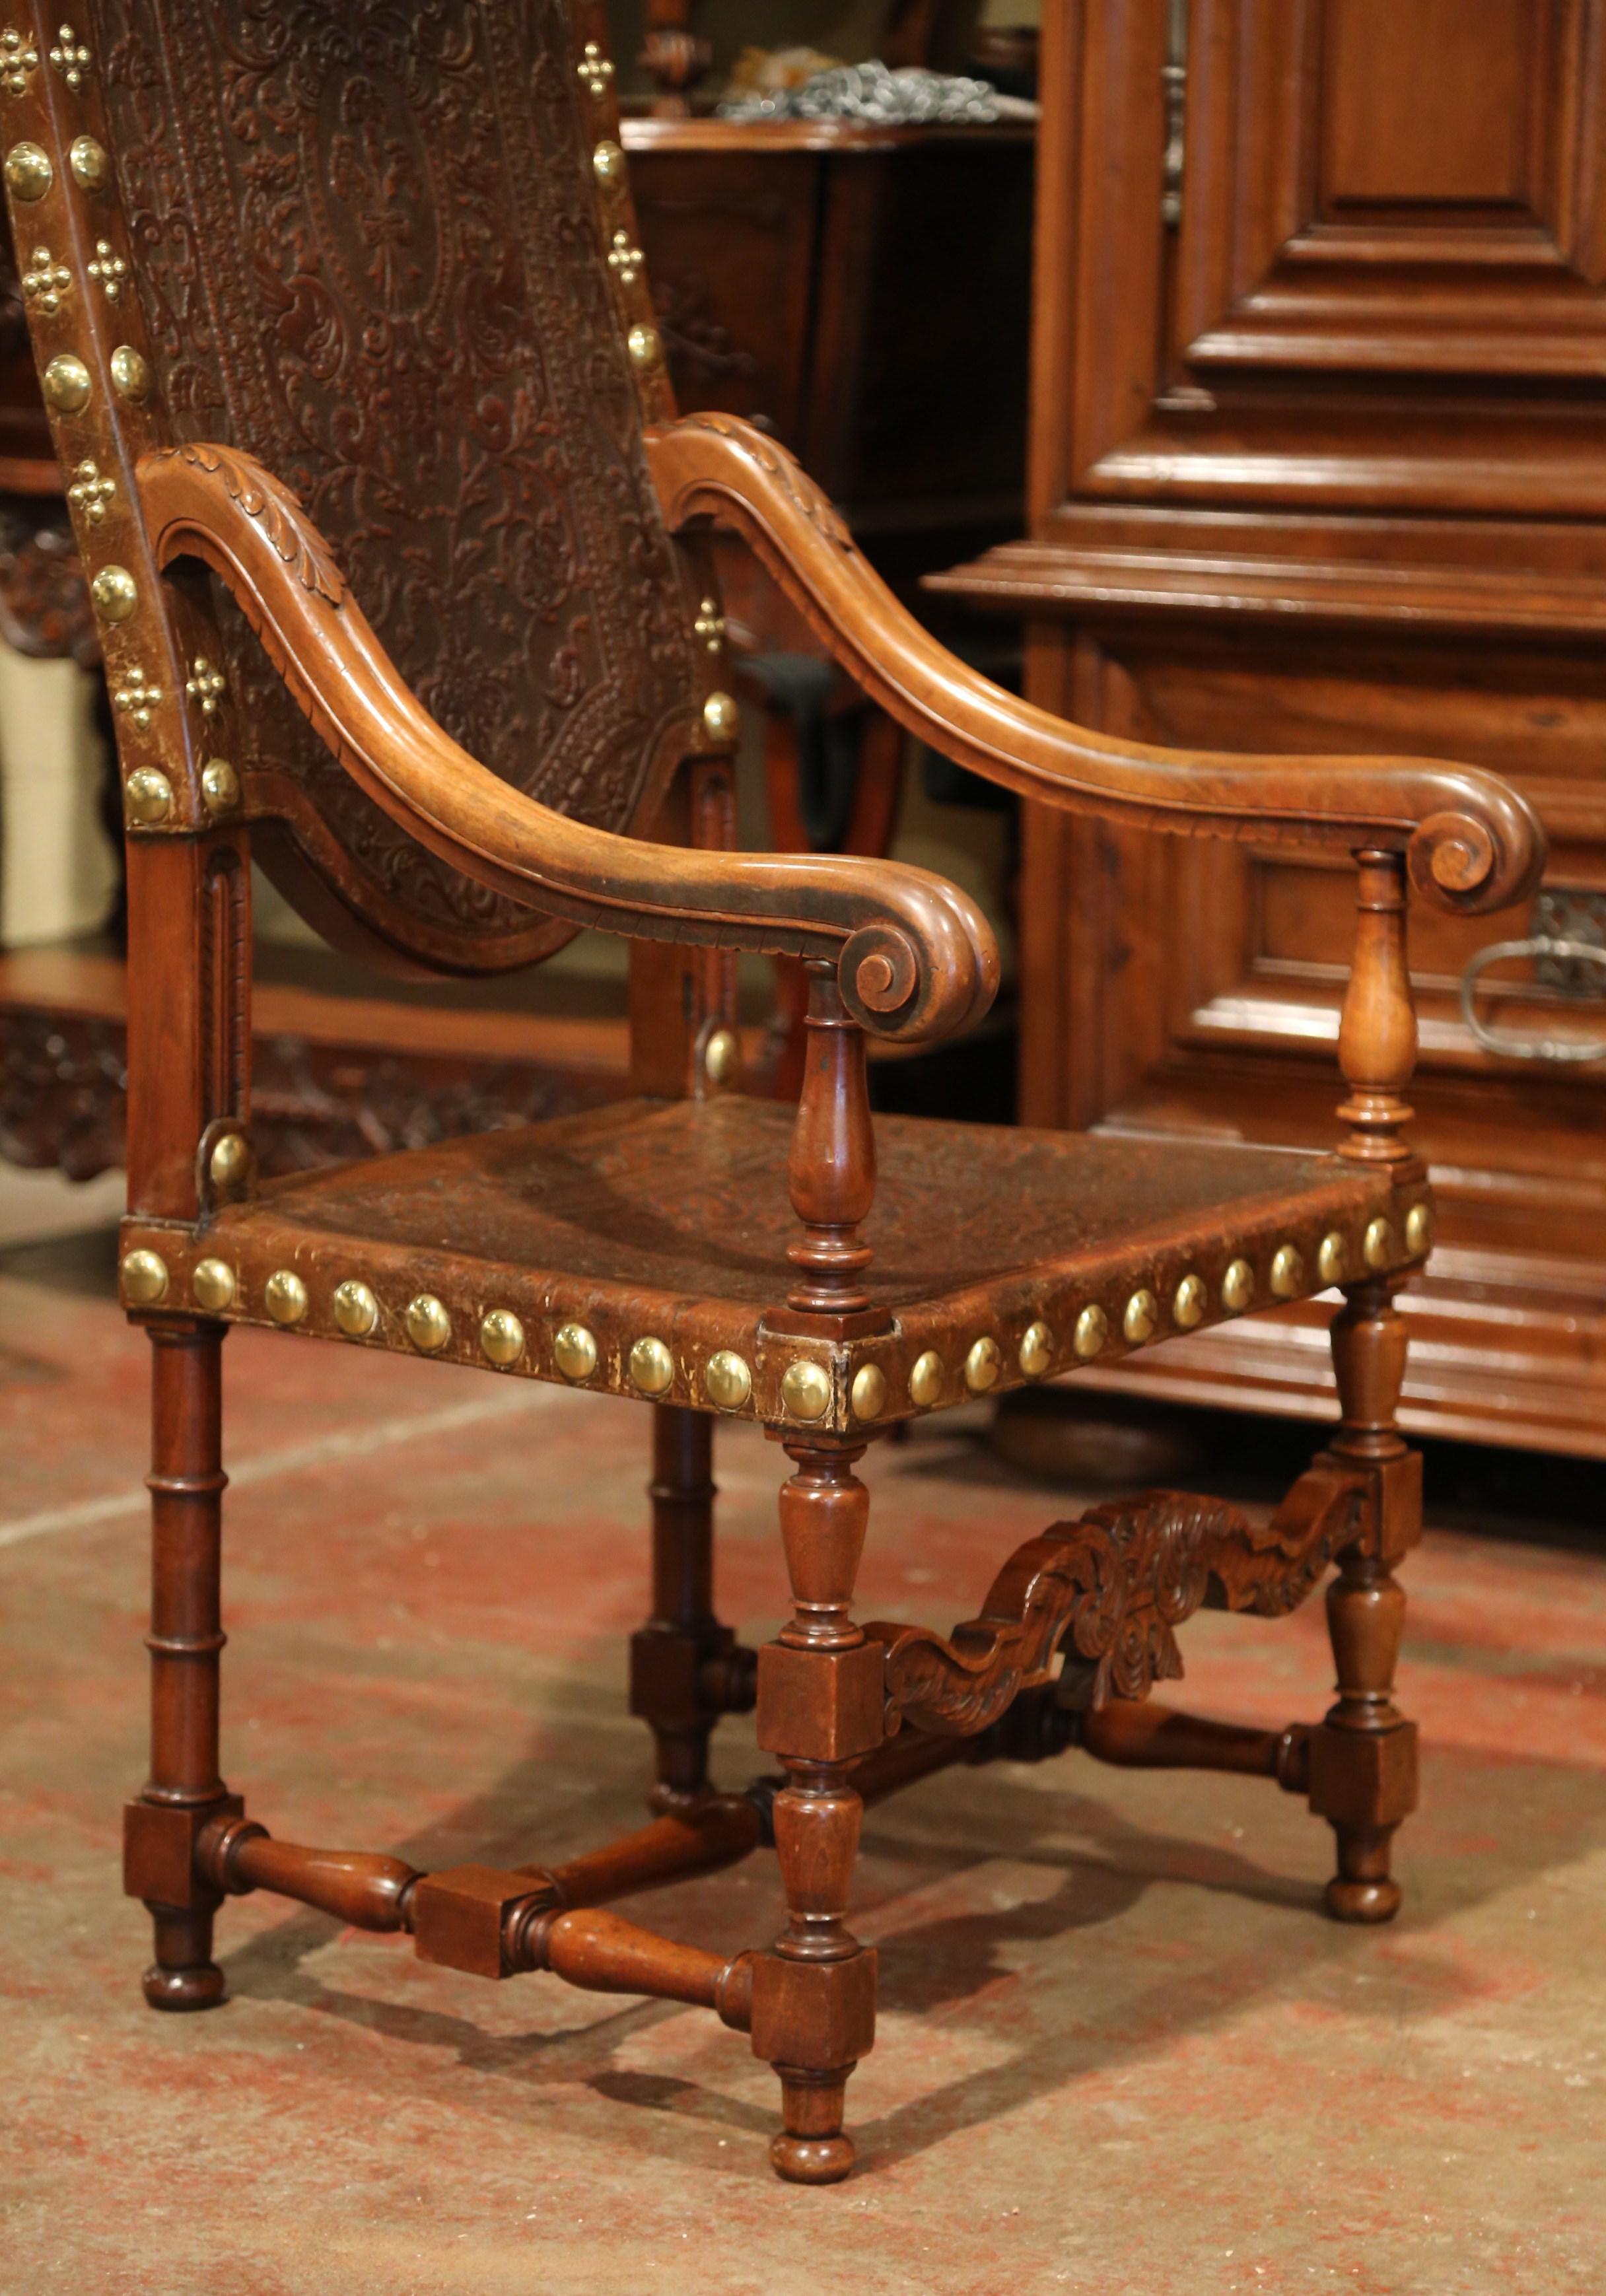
1471	842
914	956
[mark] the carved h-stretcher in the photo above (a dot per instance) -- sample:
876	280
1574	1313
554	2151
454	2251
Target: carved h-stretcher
446	409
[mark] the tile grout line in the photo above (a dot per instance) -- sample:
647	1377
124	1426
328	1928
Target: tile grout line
383	1435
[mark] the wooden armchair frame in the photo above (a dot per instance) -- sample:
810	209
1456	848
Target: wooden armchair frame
1080	1622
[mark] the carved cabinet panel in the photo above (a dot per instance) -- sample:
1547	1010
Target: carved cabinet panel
1320	465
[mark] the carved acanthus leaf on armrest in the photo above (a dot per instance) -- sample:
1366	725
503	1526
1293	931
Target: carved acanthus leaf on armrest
1111	1589
915	957
1472	842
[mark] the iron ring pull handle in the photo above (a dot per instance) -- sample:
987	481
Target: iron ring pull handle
1529	1048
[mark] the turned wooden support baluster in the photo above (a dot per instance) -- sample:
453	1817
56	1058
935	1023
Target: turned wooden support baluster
832	1174
1377	1031
686	1669
1363	1758
184	1790
821	1705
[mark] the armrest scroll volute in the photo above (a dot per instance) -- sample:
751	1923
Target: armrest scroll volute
915	957
1471	841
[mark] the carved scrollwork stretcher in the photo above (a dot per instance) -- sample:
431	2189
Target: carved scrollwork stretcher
1111	1589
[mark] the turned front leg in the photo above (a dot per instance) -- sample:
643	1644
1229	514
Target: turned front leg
185	1791
1363	1758
821	1705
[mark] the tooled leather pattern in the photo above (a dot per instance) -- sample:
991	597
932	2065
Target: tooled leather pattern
366	245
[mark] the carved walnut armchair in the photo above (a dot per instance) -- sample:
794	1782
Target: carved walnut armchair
398	556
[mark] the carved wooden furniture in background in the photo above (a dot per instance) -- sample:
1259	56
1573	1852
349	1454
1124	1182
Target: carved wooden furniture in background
1320	325
531	544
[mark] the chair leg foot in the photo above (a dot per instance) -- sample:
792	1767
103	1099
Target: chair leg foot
811	2148
1363	1890
184	1976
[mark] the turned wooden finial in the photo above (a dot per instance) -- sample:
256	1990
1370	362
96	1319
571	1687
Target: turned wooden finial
1377	1034
832	1174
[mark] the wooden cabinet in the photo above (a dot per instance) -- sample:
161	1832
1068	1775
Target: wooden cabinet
1319	464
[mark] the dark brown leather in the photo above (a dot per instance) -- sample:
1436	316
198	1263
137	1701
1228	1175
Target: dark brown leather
670	1221
367	244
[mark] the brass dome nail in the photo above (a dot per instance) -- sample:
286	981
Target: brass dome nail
1287	1272
1093	1329
429	1326
983	1365
727	1379
91	169
652	1365
1419	1230
219	786
925	1378
355	1308
645	346
285	1296
115	592
1141	1320
868	1393
29	172
212	1284
67	384
1238	1287
230	1161
719	717
1332	1258
148	795
145	1278
130	375
501	1337
608	162
574	1351
1036	1350
1189	1303
721	1056
1377	1248
805	1389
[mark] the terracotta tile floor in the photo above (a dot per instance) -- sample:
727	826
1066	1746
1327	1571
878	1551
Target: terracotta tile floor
1120	2049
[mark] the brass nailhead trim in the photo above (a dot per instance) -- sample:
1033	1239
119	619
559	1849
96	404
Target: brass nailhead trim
1287	1272
983	1365
1141	1319
1419	1229
501	1337
1037	1349
720	718
429	1326
1238	1287
230	1160
285	1296
29	171
145	1278
355	1308
925	1378
868	1393
1189	1303
652	1365
91	169
1093	1329
212	1284
67	385
1377	1249
805	1389
1332	1258
728	1380
148	794
574	1351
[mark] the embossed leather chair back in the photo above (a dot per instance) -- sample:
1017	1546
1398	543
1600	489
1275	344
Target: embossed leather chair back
369	241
